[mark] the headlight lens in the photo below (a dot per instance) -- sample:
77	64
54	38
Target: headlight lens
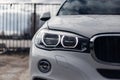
69	42
51	40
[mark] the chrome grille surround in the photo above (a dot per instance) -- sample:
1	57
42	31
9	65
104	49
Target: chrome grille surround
92	48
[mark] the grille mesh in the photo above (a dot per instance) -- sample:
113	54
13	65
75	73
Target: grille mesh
107	48
112	74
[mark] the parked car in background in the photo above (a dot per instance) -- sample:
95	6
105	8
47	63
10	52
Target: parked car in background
82	42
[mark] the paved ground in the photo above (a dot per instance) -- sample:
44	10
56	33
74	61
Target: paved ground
14	67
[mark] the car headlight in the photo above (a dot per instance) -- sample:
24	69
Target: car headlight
50	40
69	41
58	40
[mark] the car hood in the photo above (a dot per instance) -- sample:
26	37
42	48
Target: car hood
87	25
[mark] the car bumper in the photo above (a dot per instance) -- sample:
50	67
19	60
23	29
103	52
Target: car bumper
66	65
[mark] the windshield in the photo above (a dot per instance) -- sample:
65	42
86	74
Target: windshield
102	7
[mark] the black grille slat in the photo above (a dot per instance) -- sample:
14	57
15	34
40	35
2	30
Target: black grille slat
112	74
107	48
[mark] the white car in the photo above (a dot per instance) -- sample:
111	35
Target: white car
82	42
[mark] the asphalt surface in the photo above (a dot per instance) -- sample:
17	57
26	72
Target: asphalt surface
14	67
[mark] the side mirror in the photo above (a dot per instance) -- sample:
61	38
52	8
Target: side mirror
46	16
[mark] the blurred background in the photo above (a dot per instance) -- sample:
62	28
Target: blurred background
19	21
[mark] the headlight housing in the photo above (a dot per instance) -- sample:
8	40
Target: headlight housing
58	40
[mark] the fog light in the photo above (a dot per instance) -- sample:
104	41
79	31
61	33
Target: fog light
44	66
